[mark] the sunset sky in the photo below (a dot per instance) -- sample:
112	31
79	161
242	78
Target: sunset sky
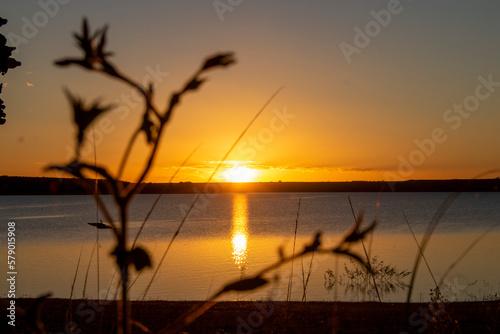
373	90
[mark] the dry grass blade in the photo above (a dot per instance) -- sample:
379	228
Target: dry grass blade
465	252
95	58
289	291
88	269
68	312
362	234
159	196
432	226
428	233
208	181
305	279
420	250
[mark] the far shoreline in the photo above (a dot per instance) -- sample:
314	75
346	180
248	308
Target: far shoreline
19	185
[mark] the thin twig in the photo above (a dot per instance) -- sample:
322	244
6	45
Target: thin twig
289	292
88	269
306	281
368	262
465	252
420	249
69	314
432	226
159	196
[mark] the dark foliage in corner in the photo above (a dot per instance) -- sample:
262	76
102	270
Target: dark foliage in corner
6	63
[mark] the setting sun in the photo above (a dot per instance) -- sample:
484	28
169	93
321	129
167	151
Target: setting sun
240	174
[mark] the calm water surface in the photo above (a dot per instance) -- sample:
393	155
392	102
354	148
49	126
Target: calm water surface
230	236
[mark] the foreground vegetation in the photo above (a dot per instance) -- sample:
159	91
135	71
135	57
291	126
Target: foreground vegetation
123	316
273	317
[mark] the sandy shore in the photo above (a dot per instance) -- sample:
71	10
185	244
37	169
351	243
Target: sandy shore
88	316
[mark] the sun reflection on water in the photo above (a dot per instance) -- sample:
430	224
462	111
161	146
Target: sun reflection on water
239	234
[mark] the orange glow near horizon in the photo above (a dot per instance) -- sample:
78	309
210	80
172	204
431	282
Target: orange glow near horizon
239	172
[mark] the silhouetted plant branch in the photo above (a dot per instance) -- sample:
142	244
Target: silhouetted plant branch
290	280
443	208
360	234
95	58
154	120
214	172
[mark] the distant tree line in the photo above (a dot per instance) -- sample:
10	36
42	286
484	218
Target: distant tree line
68	186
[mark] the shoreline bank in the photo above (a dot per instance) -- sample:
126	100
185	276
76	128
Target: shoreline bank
90	316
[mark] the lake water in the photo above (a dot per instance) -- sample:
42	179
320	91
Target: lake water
230	236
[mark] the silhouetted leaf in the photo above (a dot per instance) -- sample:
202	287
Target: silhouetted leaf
102	43
353	256
69	61
137	256
12	63
85	29
2	108
2	21
6	61
222	59
356	234
193	84
140	258
281	253
83	115
2	115
92	47
246	284
149	128
173	101
315	244
74	168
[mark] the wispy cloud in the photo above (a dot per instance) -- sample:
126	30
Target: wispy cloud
210	165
